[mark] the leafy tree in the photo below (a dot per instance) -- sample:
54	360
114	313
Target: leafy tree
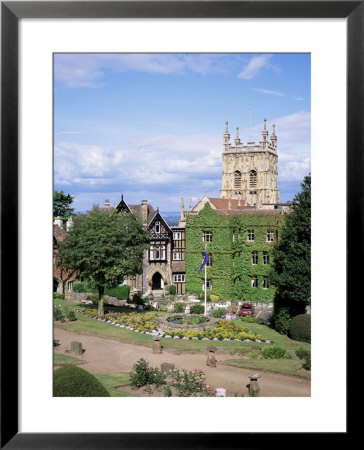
103	247
61	204
291	272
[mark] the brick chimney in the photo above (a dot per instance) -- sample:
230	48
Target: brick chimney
144	207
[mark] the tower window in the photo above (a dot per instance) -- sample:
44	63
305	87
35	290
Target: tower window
265	258
265	283
237	179
250	237
253	179
254	258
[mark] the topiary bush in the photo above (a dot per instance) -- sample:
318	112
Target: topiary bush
300	328
282	320
214	298
72	381
197	309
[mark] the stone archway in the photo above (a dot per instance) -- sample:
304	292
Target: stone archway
157	281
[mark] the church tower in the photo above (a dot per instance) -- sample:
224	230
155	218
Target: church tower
250	171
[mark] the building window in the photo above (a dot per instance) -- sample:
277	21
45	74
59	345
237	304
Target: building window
177	236
133	282
250	237
179	278
237	179
157	227
265	283
265	258
208	285
69	285
177	256
254	258
254	282
207	236
270	236
253	179
157	252
209	262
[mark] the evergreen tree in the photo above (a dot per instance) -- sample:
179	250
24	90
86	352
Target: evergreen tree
103	247
291	272
61	204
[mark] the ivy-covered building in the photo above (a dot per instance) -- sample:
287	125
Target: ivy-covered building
239	242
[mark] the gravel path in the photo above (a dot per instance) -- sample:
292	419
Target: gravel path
107	356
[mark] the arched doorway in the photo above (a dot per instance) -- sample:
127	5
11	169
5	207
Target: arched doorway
55	284
156	281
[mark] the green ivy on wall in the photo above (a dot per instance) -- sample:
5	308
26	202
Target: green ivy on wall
232	267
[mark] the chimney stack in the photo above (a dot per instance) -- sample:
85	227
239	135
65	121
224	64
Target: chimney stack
144	207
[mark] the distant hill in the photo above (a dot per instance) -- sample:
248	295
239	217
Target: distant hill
171	217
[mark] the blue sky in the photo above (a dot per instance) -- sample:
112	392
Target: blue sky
150	126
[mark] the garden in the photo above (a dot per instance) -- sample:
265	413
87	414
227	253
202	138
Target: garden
240	344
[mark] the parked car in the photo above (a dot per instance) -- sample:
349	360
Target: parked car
246	309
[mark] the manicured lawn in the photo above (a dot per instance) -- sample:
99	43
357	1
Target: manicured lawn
285	366
59	359
111	381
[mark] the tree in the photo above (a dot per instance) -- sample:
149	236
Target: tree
61	204
291	272
103	247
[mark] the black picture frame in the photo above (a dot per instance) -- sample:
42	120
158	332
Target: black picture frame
11	12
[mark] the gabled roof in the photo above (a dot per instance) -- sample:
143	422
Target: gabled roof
137	211
158	216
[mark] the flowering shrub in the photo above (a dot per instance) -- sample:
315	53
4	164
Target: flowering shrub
142	375
191	383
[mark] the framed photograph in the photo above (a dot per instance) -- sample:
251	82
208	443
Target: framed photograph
44	48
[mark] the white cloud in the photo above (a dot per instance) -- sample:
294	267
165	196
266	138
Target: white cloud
87	70
254	66
269	92
164	168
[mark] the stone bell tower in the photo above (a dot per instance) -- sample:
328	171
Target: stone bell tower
250	171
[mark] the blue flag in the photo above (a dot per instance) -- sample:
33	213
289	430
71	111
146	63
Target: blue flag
204	261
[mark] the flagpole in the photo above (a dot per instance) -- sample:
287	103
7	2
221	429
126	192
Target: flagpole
205	282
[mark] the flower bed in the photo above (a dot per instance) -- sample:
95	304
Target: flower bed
215	329
226	330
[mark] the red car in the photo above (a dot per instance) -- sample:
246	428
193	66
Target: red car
246	309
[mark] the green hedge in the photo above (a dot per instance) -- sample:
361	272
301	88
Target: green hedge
120	292
300	328
72	381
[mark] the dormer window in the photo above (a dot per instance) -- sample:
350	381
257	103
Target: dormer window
157	227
